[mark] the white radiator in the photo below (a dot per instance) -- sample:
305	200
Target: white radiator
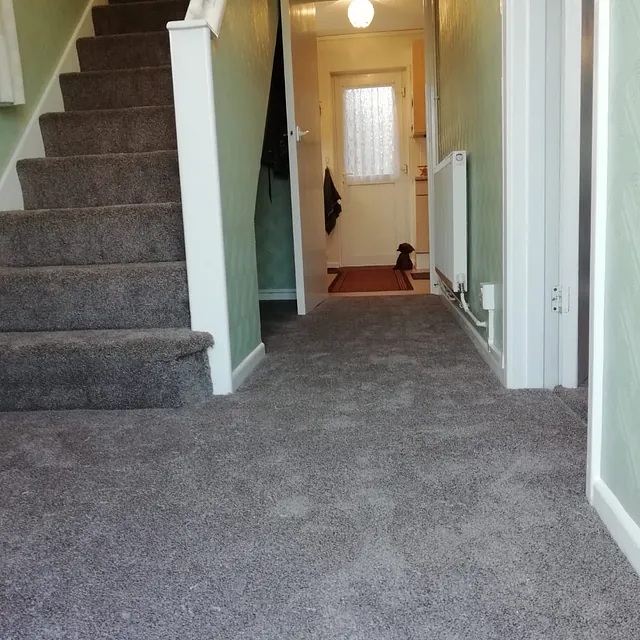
450	220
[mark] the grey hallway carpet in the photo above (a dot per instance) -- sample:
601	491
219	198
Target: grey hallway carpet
371	481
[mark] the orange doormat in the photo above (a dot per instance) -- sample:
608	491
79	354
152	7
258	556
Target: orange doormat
365	279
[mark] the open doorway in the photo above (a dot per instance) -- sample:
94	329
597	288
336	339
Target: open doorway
365	164
371	159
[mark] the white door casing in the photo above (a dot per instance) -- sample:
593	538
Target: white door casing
431	98
376	216
305	153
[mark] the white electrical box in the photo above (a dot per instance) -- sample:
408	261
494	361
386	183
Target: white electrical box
488	296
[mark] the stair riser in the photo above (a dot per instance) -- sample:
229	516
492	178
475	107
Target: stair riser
120	131
118	297
93	181
101	379
117	90
111	235
137	17
124	52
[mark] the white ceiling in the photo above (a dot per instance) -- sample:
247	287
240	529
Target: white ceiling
390	15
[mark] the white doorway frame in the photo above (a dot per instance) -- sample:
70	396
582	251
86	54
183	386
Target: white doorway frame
569	225
311	289
524	88
541	195
431	101
403	109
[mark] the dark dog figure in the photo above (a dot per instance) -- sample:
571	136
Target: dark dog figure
404	259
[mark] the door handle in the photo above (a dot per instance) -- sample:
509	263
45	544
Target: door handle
300	133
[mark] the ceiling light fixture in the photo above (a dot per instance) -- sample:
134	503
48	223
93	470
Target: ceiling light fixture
360	13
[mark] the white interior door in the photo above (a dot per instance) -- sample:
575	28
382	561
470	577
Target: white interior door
372	158
305	153
613	464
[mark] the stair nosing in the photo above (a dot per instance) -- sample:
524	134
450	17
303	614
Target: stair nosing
105	156
123	35
68	210
8	337
134	3
83	113
109	266
96	72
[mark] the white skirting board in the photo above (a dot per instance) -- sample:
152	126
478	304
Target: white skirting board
333	265
492	359
248	366
423	261
623	529
277	294
30	144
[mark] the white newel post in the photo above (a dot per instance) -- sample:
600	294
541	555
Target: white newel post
200	186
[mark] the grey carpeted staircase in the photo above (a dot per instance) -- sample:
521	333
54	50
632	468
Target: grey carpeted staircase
94	309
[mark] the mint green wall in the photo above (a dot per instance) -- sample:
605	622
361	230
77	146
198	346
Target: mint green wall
621	428
242	63
44	29
274	234
470	117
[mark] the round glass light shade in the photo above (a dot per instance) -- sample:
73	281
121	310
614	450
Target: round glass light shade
360	13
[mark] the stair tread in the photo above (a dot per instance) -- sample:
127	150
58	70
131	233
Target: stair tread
71	115
115	72
99	157
141	2
184	338
137	17
109	208
124	36
112	2
74	268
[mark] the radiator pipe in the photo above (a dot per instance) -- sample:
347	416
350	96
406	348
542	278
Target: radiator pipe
463	303
467	310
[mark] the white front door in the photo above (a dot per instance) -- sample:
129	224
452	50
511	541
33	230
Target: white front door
305	153
372	158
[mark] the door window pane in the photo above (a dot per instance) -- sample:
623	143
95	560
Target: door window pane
371	142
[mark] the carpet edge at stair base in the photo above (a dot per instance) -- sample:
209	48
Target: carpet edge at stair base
104	369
